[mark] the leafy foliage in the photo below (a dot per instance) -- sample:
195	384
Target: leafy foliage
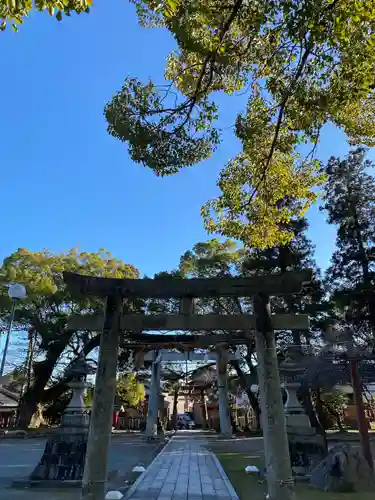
49	304
335	403
130	390
163	149
215	258
296	255
14	11
349	201
301	64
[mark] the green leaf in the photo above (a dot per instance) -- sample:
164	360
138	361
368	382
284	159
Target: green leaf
315	64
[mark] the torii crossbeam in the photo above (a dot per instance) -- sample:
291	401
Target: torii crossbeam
115	290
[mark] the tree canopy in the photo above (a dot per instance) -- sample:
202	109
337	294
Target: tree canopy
48	306
13	11
301	65
349	201
130	390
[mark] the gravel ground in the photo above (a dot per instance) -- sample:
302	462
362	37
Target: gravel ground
19	457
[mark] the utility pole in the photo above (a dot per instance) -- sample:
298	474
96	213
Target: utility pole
16	292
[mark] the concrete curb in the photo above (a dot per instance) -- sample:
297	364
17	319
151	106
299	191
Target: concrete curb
228	484
134	486
24	435
45	435
29	484
352	438
53	484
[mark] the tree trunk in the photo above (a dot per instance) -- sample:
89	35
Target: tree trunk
304	391
37	393
42	373
33	396
312	413
339	422
27	408
279	472
319	409
174	413
37	418
336	415
204	410
305	395
252	397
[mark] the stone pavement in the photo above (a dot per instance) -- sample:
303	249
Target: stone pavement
184	470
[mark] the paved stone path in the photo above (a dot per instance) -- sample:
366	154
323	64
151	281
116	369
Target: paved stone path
184	470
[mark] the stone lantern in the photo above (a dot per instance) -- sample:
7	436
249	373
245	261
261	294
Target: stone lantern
291	372
63	459
306	448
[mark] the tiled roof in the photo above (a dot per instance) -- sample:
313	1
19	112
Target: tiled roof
7	398
6	401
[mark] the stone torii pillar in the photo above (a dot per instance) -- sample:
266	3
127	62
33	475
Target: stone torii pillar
222	384
280	482
279	472
96	465
153	400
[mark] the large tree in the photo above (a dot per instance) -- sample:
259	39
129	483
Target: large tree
46	310
300	64
296	255
349	201
214	259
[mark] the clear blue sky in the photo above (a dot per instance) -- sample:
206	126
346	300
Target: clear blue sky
64	181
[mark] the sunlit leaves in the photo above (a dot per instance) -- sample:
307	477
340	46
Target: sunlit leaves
13	11
302	64
153	13
41	272
130	390
210	258
251	206
49	303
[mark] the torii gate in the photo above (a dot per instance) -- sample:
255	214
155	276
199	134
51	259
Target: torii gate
115	290
165	355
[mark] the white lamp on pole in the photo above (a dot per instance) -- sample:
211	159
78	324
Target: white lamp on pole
16	292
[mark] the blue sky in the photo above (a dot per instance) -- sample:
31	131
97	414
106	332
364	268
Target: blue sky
65	182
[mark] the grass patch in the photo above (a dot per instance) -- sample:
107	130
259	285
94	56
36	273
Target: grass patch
248	486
